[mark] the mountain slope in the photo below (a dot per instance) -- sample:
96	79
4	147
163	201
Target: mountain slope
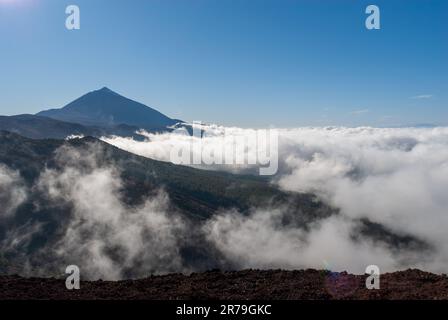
39	127
106	108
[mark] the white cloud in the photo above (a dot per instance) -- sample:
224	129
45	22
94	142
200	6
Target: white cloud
12	191
396	177
260	240
104	237
358	112
423	96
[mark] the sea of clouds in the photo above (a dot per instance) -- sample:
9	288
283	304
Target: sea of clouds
397	177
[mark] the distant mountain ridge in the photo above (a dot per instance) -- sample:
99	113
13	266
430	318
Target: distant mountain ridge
106	108
38	127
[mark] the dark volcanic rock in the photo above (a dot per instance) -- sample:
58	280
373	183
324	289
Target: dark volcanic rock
248	284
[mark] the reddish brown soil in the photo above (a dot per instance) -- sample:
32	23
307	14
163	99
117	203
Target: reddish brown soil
249	284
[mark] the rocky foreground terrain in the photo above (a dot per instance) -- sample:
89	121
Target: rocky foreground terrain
248	284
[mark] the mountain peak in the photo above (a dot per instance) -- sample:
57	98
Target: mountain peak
105	108
106	90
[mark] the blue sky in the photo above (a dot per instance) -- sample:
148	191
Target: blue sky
246	63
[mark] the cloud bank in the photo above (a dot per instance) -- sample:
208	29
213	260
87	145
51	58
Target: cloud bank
395	177
392	178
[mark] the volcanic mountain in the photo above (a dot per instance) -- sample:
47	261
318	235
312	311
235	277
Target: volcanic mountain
106	108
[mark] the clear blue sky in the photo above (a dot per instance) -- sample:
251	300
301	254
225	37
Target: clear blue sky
246	63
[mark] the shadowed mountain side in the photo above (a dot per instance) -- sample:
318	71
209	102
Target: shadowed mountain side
37	127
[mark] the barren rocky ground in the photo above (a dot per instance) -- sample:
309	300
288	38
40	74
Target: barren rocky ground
248	284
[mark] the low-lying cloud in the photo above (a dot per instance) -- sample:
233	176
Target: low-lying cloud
395	177
261	240
12	191
105	237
